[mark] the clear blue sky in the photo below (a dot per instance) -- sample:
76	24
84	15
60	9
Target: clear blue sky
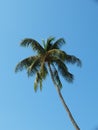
77	22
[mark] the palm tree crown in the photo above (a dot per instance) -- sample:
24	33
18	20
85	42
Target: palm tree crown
49	54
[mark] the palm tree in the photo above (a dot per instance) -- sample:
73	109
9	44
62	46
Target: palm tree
49	58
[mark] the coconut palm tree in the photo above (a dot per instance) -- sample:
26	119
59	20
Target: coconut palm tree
49	58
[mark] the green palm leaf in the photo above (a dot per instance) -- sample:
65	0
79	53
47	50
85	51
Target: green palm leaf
72	59
58	43
34	44
49	43
34	67
37	81
65	57
50	40
24	64
62	68
56	76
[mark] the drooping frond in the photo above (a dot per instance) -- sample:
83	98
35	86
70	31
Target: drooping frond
73	59
58	43
34	67
40	76
43	72
64	56
56	77
34	44
62	68
37	82
24	64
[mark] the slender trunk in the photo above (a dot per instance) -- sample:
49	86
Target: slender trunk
67	109
63	102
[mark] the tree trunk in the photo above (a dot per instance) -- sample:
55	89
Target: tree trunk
63	102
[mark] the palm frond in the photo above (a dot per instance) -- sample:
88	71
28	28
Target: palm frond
50	40
73	59
24	64
49	43
34	44
34	67
56	76
38	82
62	68
58	43
64	56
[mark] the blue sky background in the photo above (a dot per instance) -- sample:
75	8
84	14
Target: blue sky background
75	20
